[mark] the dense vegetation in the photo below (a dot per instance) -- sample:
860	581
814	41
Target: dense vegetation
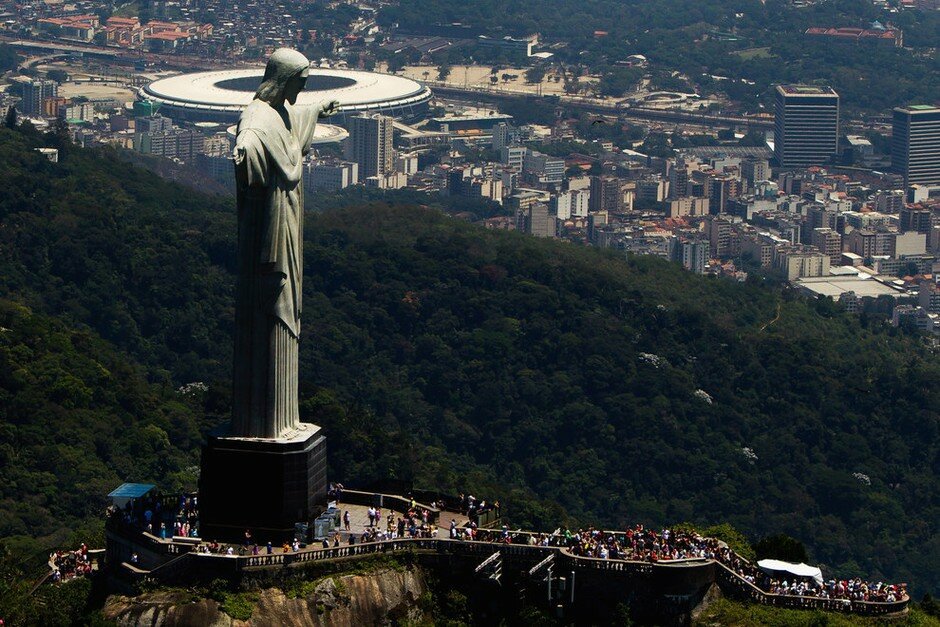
727	612
439	353
577	374
76	417
8	58
751	44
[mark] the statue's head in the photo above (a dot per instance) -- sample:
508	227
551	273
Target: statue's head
284	76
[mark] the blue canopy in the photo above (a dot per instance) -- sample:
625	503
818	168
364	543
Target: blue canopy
132	490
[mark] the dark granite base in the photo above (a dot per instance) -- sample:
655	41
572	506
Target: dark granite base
265	486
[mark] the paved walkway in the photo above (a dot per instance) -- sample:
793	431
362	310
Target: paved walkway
359	520
359	523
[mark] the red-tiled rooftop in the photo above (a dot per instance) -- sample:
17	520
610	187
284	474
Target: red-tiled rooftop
167	36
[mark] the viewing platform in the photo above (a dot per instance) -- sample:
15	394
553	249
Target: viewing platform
526	557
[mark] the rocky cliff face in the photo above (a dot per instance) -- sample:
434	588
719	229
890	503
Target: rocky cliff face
374	599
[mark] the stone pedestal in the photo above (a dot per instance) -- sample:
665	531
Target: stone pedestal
265	486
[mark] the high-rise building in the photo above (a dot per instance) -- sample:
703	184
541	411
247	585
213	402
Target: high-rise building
536	220
596	222
929	297
798	262
510	178
513	156
545	168
571	204
889	202
908	244
722	238
819	216
406	163
754	170
720	190
84	111
541	221
914	219
606	194
678	183
829	243
34	92
806	125
152	124
370	145
330	175
687	206
504	135
490	188
915	144
760	249
917	193
651	190
693	255
157	135
868	243
51	107
179	143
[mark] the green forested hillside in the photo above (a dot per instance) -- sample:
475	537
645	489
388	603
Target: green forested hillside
577	374
533	371
76	417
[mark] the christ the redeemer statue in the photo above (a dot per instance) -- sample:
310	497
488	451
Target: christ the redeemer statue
272	138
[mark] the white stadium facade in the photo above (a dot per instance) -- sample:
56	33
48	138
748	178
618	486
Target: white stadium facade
221	96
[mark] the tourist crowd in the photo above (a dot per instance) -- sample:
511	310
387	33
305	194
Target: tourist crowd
70	564
335	492
641	544
844	589
161	516
415	523
472	507
636	544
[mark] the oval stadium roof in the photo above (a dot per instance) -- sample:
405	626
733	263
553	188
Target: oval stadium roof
223	94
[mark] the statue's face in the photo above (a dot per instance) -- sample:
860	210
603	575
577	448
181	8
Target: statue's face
294	86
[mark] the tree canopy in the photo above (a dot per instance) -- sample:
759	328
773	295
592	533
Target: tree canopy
574	384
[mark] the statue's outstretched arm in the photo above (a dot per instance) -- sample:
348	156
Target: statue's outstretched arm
329	107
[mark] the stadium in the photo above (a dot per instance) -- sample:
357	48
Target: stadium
221	96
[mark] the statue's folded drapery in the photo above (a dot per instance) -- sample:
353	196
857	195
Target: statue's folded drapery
269	149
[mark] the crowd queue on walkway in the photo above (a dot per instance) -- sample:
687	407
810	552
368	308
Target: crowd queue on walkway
164	517
412	524
415	523
642	544
636	544
473	507
67	565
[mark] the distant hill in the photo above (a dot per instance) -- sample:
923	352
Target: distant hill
571	383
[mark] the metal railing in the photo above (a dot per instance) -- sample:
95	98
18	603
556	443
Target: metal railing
172	568
748	590
184	556
395	502
531	554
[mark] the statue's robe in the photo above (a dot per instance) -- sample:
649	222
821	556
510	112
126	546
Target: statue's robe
269	148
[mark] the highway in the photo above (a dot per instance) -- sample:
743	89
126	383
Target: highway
593	105
611	108
126	56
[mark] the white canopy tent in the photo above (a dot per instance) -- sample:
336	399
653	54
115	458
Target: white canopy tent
800	570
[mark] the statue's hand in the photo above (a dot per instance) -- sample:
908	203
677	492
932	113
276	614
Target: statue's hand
329	107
